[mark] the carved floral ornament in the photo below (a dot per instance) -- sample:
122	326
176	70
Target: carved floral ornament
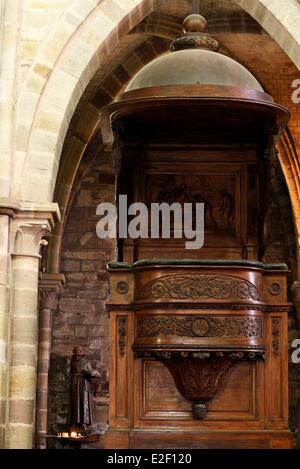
275	337
199	286
122	333
200	326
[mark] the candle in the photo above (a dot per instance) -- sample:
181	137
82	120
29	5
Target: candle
65	435
73	435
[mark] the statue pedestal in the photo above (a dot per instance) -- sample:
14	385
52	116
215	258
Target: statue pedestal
83	442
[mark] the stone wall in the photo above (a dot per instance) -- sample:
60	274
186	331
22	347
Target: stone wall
81	318
281	247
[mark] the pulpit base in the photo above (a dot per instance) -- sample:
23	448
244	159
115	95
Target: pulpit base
140	439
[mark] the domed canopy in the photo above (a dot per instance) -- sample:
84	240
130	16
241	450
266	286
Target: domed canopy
193	67
194	90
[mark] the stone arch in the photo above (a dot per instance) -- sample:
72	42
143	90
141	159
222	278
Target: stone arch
287	155
54	85
56	81
280	20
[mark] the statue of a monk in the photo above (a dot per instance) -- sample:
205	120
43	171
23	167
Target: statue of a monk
81	374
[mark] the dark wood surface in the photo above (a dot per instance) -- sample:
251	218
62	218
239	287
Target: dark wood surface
253	396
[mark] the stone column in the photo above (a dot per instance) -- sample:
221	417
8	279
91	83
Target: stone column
9	36
26	239
5	214
49	288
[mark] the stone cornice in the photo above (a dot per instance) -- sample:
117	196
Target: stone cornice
15	208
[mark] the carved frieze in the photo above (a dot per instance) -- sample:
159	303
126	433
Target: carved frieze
199	286
234	354
199	326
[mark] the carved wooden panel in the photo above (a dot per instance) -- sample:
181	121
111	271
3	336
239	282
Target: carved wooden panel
216	191
199	286
221	187
199	326
236	400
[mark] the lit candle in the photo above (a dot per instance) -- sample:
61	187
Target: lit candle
73	435
65	435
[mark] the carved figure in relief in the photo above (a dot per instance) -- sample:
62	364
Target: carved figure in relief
227	207
177	194
208	209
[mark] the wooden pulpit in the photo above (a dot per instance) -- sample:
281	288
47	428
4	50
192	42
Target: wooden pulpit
198	354
198	337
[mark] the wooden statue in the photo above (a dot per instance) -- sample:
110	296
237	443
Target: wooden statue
81	374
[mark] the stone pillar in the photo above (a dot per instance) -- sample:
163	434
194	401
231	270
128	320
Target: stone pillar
26	239
9	36
49	288
5	214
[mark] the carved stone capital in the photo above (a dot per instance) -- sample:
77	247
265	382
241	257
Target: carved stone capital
27	236
50	286
30	223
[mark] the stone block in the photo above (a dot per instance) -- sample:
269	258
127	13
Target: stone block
20	436
70	239
24	330
94	331
44	337
89	266
101	413
26	278
23	355
43	365
77	305
45	319
21	411
84	254
22	382
25	303
42	381
64	332
71	266
41	419
2	436
2	412
81	331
